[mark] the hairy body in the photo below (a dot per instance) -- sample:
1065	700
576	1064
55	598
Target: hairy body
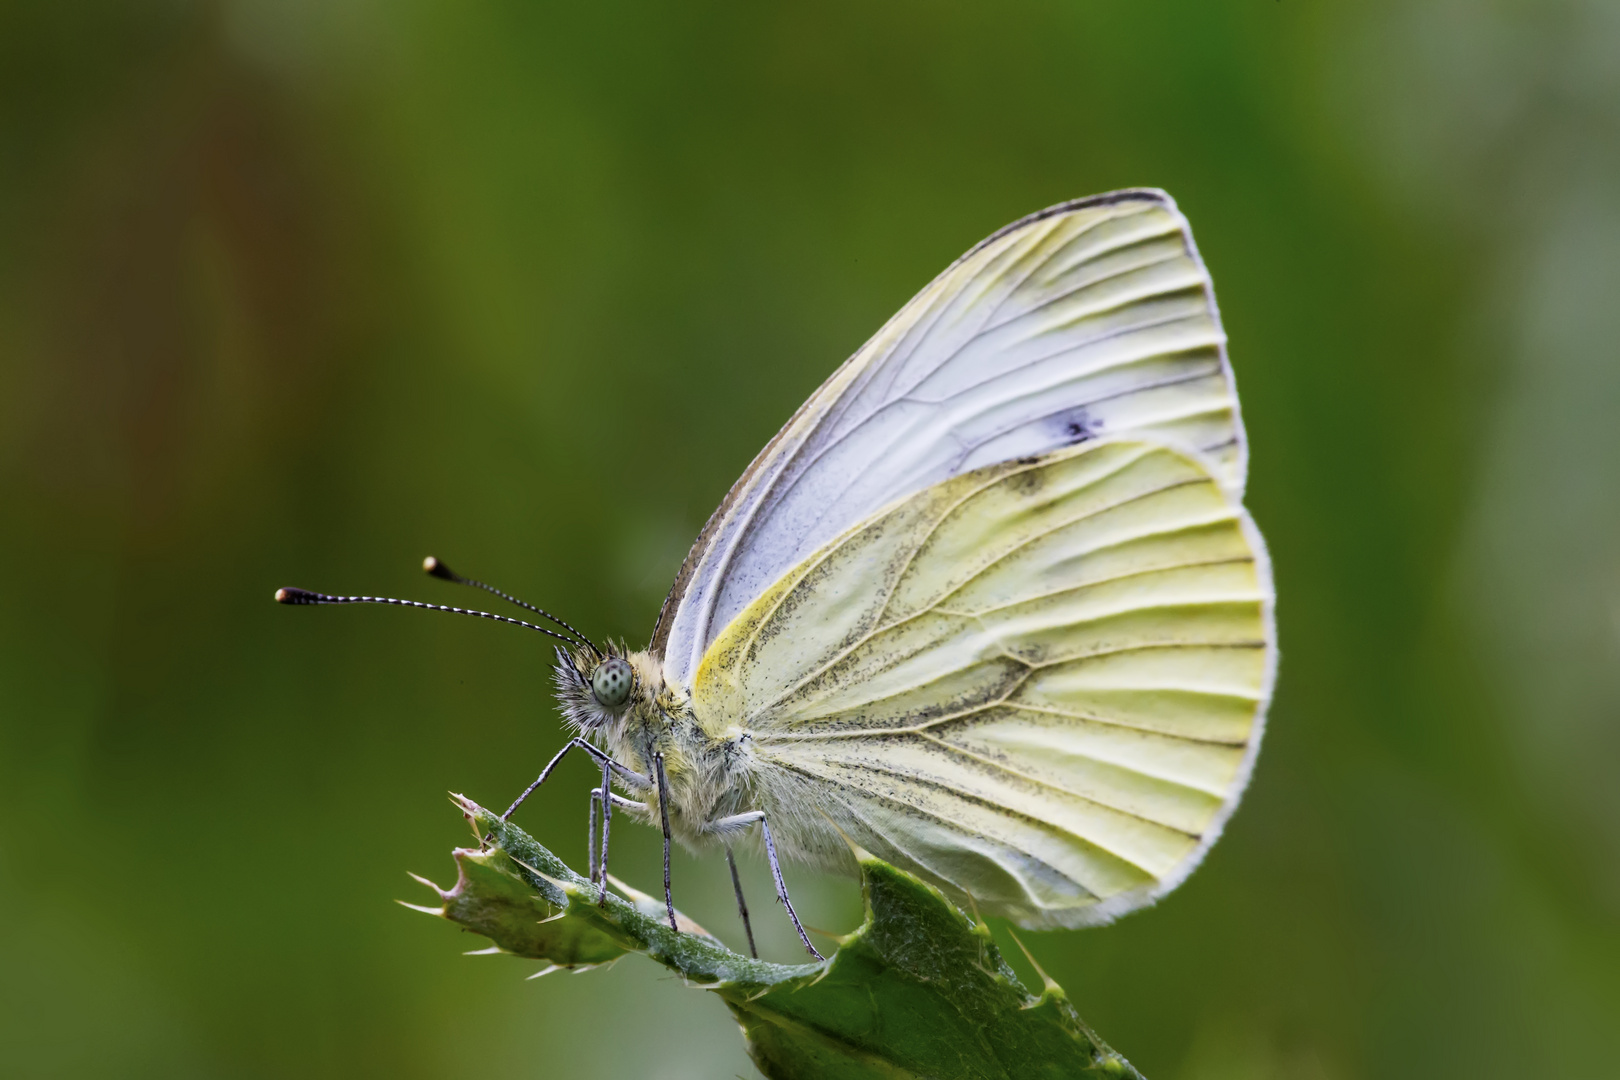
700	785
713	773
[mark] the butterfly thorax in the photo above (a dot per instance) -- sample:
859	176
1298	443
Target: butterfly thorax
707	776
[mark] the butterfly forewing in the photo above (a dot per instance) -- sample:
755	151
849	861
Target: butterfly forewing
1039	683
1092	319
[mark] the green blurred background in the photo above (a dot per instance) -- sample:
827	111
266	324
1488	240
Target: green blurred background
297	293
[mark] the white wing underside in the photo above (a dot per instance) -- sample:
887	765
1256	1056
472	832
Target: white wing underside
1040	684
1095	318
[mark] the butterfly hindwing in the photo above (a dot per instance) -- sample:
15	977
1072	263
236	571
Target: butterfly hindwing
1039	683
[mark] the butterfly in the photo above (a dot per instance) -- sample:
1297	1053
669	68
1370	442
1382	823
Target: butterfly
988	606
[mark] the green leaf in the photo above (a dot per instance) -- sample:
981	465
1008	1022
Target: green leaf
918	990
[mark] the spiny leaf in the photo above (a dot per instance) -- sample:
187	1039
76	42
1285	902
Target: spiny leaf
491	898
918	990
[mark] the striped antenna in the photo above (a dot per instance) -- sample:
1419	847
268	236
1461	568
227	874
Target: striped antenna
437	569
291	595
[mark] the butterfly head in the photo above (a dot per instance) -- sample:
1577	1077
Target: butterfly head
600	691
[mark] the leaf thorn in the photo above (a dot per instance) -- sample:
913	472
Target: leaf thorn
1046	979
423	908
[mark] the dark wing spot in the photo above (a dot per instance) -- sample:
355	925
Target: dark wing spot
1074	426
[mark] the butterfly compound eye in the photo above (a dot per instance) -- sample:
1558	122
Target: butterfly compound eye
611	682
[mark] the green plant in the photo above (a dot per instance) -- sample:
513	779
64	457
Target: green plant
918	989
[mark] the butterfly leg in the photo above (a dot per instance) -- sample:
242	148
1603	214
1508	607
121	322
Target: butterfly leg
606	795
592	834
742	905
606	799
663	812
606	802
740	821
634	778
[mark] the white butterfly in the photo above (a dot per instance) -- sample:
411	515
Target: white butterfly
989	605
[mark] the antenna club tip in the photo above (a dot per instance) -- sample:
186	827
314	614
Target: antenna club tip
297	596
437	569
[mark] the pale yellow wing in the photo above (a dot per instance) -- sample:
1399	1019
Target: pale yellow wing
1040	684
1091	319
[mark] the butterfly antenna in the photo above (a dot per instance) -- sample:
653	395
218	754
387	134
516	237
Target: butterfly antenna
437	569
304	596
